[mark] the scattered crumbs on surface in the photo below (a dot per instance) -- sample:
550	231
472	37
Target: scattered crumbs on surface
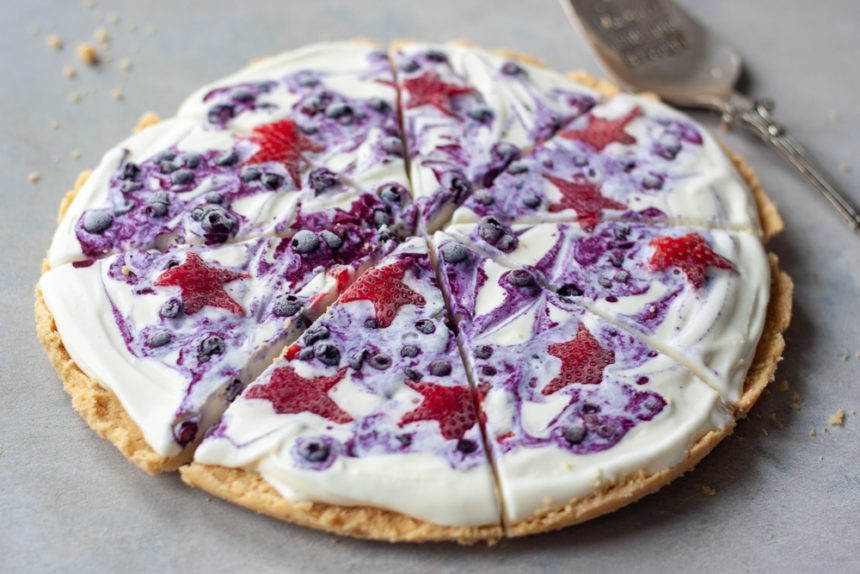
783	386
335	540
844	357
33	176
69	72
739	437
149	29
776	421
125	64
812	431
668	400
116	94
101	35
770	536
853	412
857	354
107	57
844	167
767	391
33	30
820	458
54	124
547	500
764	431
112	17
54	41
208	499
88	54
837	418
74	97
598	478
758	416
833	116
709	490
125	270
1	450
725	127
75	154
824	428
567	465
89	3
130	26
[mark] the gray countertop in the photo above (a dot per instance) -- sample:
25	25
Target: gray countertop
784	500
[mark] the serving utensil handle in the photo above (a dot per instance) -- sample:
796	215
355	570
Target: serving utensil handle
756	115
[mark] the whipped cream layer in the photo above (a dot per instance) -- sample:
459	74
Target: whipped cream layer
629	158
177	335
468	113
371	405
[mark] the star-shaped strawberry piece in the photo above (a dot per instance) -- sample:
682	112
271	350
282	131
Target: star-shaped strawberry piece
201	285
384	287
582	361
690	254
281	141
601	132
451	407
291	393
429	89
584	198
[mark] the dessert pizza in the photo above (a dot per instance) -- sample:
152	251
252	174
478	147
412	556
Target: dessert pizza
439	293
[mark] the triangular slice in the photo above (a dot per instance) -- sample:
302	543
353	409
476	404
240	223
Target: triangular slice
696	294
468	113
629	158
580	417
175	336
370	408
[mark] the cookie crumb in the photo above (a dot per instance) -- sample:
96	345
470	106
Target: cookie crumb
125	64
89	3
783	386
88	54
844	167
833	116
764	431
567	465
669	401
130	26
101	35
55	42
33	30
775	421
208	499
820	458
54	124
844	357
837	418
125	270
709	490
1	450
770	536
150	30
69	72
547	500
74	97
116	94
112	17
75	154
812	431
33	176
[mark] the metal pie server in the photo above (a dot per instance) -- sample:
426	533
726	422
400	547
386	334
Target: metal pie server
656	46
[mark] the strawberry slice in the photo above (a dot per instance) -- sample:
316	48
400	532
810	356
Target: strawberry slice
290	393
584	198
201	285
582	361
281	141
601	132
688	253
383	286
429	89
451	407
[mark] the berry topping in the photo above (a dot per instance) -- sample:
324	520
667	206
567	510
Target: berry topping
272	180
314	450
584	198
425	326
290	393
601	132
181	177
158	204
201	285
379	361
97	221
384	287
569	291
250	174
158	339
466	446
410	351
328	353
357	360
688	253
490	230
451	407
521	278
454	252
171	308
331	239
281	142
305	241
316	333
575	433
429	89
129	170
232	390
392	194
582	361
484	352
226	158
440	368
321	180
532	201
512	69
392	145
211	345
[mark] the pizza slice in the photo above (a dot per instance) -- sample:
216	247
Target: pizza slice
170	338
367	425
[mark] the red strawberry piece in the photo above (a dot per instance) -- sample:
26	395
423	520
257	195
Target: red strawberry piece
201	285
582	361
292	351
281	141
383	286
601	132
429	89
451	407
689	254
584	198
342	274
290	393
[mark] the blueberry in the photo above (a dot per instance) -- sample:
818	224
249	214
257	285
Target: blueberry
532	201
331	239
226	158
604	282
454	252
521	278
286	306
306	354
381	217
622	276
166	155
621	232
488	370
466	446
485	198
338	110
436	56
305	241
570	291
575	433
412	374
221	114
314	450
371	323
455	181
377	104
185	432
484	352
590	409
652	404
425	326
357	360
213	197
616	259
580	161
409	66
233	389
652	182
272	180
316	333
392	145
404	439
169	166
129	186
328	353
392	194
171	308
97	221
250	174
126	206
518	167
480	114
306	79
490	230
215	221
211	345
440	368
158	339
507	243
242	95
379	361
410	351
512	69
129	170
191	160
606	429
321	180
181	177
